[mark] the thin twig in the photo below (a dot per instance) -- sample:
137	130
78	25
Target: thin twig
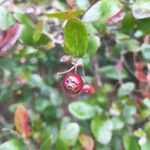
97	73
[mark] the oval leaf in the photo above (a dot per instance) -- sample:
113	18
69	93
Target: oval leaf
93	45
143	25
102	130
6	19
69	134
38	31
130	143
8	38
141	9
27	35
22	122
117	123
145	146
81	110
126	88
132	45
146	51
102	10
46	144
11	145
87	142
75	38
65	15
110	72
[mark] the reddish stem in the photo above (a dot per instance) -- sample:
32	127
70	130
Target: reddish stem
67	71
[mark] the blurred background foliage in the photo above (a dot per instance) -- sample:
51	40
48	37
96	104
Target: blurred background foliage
114	37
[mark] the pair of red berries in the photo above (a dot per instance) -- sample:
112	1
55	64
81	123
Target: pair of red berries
73	84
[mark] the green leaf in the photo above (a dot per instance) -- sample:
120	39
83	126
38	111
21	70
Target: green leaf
102	130
42	104
117	123
91	29
128	23
129	110
138	34
147	129
27	35
5	92
145	48
8	63
130	143
12	145
39	2
121	36
139	132
110	72
141	9
27	51
93	45
81	110
60	5
126	88
36	81
145	146
132	45
75	38
116	143
82	4
102	10
145	113
144	25
69	134
6	19
128	113
146	102
46	144
38	31
106	88
66	14
61	145
23	19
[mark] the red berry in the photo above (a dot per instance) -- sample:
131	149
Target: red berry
73	83
88	89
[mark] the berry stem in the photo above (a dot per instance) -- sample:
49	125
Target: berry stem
76	69
83	71
67	71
